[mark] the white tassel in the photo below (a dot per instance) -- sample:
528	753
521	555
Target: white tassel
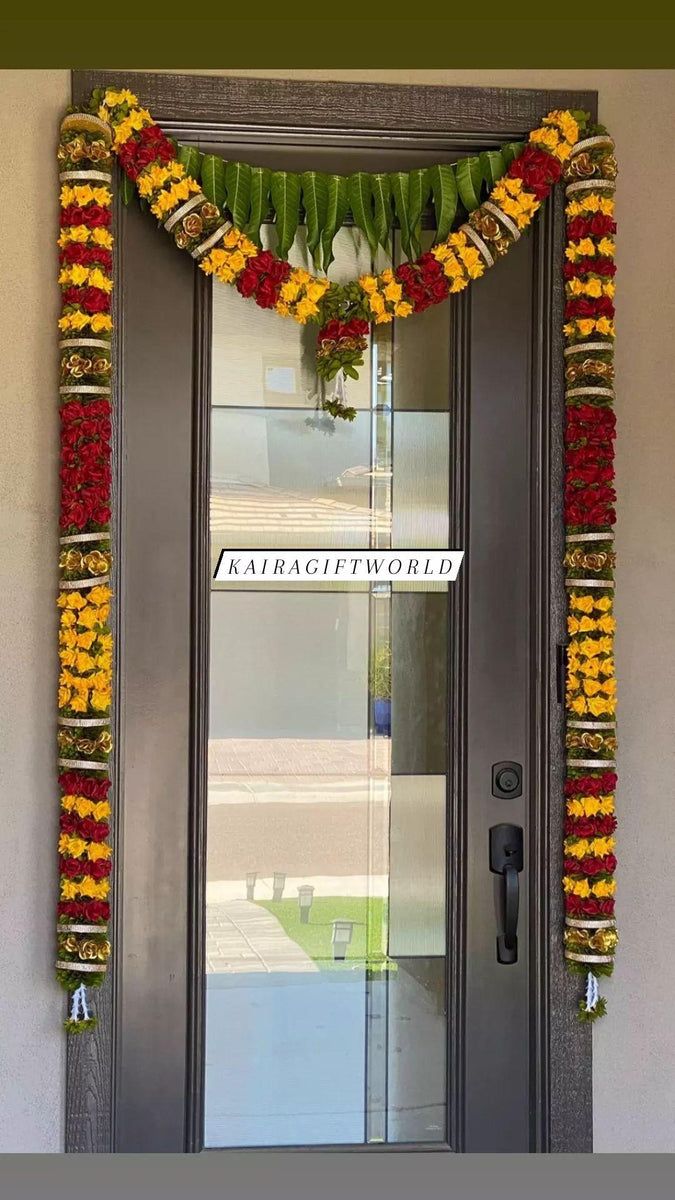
79	1004
592	992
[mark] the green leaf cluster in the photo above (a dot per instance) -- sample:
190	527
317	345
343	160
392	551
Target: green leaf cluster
373	202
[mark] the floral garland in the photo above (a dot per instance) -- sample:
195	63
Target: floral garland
562	147
85	641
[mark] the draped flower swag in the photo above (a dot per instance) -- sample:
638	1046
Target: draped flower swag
202	212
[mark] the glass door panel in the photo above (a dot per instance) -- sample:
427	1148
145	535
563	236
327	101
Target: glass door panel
326	843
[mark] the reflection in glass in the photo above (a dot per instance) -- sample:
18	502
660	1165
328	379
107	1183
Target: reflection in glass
326	925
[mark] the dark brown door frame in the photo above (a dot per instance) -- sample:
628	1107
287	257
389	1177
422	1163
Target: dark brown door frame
562	1065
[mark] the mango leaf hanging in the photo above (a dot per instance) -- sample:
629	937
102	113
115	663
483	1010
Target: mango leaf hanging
512	150
399	183
191	159
492	166
469	179
315	204
444	191
285	188
260	202
213	179
238	183
337	203
360	188
382	209
418	194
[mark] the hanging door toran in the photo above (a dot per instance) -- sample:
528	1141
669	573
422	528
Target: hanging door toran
420	1038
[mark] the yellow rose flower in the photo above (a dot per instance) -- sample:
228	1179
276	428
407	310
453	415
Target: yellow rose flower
98	850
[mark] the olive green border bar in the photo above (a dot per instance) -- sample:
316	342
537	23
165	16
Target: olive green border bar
345	42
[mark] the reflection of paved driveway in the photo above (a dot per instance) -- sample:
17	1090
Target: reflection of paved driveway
242	937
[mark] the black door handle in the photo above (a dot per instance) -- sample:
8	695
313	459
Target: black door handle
506	859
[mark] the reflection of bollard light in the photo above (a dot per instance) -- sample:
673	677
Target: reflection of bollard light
278	885
305	897
342	936
251	877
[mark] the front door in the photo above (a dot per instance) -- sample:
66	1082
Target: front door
323	782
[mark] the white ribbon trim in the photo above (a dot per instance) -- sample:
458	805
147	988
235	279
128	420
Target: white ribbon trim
500	216
478	243
604	764
590	537
183	210
95	389
589	958
84	583
89	968
84	537
599	139
95	173
597	583
211	240
591	725
83	120
590	391
81	928
98	343
83	722
83	764
586	185
584	347
577	923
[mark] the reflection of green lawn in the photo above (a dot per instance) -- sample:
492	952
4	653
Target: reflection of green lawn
368	934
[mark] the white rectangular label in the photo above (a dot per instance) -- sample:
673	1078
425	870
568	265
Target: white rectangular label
300	566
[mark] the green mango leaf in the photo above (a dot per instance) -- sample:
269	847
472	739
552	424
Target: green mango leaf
360	191
511	150
337	203
469	179
315	203
419	190
383	214
444	190
213	179
238	184
399	182
285	189
191	159
127	189
260	202
493	166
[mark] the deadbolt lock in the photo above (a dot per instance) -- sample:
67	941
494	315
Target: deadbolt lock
507	780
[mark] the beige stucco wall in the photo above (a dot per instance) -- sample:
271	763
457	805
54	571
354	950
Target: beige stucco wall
634	1089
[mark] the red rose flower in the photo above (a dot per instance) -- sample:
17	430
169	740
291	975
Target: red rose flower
537	169
591	785
75	783
92	215
100	869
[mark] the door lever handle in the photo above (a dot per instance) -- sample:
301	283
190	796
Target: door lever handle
506	859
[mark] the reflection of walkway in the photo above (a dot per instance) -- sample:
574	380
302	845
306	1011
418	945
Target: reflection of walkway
242	937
